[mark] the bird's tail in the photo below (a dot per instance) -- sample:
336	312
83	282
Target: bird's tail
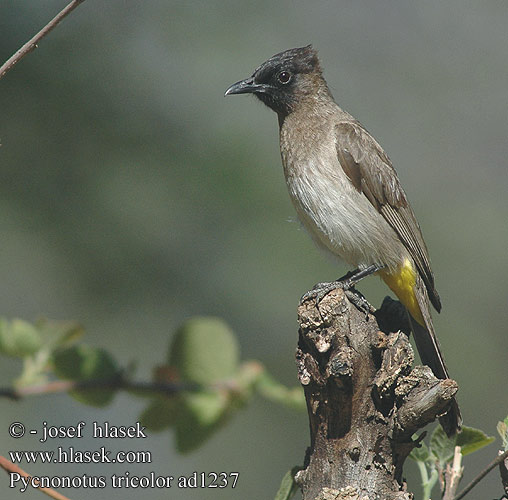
412	292
430	354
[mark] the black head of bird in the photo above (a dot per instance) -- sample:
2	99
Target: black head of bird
285	80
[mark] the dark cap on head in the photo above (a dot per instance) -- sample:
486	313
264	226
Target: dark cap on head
300	60
284	79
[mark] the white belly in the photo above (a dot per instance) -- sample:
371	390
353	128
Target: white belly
339	217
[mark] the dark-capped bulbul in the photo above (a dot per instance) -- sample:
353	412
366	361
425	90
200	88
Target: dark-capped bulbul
347	194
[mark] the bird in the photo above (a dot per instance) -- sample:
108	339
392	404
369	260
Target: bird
347	194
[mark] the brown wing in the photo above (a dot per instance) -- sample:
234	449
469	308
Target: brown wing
371	172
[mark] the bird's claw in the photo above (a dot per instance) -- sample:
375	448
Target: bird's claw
321	290
359	301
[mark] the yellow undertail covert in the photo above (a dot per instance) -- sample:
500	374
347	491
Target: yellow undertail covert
402	283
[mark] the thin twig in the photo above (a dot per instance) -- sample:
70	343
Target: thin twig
117	383
250	370
453	475
32	44
480	476
11	468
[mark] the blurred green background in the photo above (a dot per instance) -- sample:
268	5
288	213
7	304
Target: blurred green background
133	196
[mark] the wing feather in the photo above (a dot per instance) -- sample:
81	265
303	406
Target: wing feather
371	172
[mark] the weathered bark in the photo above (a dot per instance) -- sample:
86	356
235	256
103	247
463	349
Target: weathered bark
364	402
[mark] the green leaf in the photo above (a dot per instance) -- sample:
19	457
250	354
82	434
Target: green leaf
206	407
420	454
441	446
271	389
82	363
18	338
35	369
204	350
471	440
59	333
288	487
201	415
161	413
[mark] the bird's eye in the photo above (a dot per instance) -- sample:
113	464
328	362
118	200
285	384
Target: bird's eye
284	77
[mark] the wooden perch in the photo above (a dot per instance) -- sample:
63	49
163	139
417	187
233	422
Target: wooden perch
364	401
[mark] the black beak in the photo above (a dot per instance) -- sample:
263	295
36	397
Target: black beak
247	86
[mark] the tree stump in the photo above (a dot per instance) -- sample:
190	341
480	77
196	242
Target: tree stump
364	401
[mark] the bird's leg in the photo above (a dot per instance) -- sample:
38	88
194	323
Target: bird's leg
346	283
354	277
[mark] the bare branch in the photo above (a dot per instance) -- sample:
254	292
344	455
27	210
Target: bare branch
453	475
118	383
11	468
162	385
482	474
32	44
